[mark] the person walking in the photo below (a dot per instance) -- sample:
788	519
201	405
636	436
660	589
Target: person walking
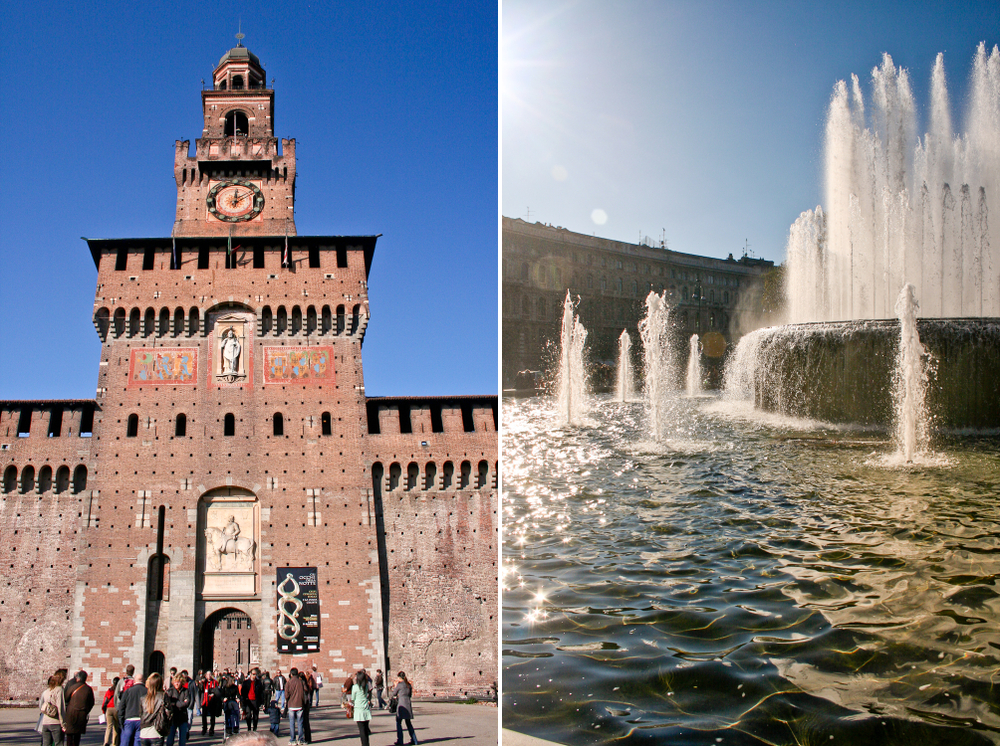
379	686
361	700
178	700
52	705
113	733
230	707
78	707
307	682
130	711
317	685
404	709
209	705
279	688
148	734
295	691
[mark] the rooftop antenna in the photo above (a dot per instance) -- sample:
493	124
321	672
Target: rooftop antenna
527	214
240	36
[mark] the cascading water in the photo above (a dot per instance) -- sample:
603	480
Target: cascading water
900	209
571	399
654	330
910	381
625	390
694	367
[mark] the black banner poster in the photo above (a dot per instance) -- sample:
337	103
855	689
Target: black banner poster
298	610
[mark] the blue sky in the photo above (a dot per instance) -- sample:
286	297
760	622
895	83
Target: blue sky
394	110
700	121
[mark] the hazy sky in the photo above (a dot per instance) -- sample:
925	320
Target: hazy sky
701	121
394	110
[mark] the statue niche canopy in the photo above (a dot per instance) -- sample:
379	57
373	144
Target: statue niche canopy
228	543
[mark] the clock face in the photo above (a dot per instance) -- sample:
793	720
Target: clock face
235	201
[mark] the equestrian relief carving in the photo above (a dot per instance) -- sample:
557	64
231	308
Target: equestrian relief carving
227	542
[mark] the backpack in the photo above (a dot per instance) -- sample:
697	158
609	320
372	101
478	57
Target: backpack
163	716
123	686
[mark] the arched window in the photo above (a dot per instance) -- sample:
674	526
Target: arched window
296	320
119	321
229	425
149	324
180	428
282	319
447	475
237	82
327	426
79	479
62	479
164	322
45	478
279	424
341	319
266	320
430	475
193	322
134	322
412	475
237	124
103	320
327	320
178	322
466	475
484	471
132	428
310	320
395	470
356	319
27	479
10	479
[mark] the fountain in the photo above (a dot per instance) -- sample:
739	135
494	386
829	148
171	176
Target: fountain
655	332
900	210
694	367
572	377
625	389
754	578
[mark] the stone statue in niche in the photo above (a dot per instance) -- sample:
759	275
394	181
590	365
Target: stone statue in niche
231	349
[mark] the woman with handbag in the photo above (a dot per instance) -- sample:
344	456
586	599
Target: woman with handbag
404	708
152	706
52	705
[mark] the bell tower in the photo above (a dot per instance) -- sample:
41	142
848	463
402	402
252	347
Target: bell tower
238	182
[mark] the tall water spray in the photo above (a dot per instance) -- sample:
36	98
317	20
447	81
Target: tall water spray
901	208
626	380
910	381
654	330
694	367
572	402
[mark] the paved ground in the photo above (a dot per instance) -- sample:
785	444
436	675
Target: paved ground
434	722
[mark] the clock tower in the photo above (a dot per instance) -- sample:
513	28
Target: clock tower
238	181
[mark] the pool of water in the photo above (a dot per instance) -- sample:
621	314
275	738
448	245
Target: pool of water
750	580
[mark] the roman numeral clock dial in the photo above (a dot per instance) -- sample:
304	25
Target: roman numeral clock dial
235	201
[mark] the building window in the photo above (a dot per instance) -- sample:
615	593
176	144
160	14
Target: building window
132	428
326	424
180	428
229	425
279	424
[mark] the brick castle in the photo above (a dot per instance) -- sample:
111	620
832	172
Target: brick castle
231	472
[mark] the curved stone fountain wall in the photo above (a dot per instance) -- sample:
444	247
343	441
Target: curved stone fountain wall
842	371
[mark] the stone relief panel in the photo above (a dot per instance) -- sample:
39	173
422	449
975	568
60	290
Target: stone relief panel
228	544
232	354
171	366
304	365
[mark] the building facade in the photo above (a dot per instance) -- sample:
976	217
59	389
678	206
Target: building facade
231	497
718	299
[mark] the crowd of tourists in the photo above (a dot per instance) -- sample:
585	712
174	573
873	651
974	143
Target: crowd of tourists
160	711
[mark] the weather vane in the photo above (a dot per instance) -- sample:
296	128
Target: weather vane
240	36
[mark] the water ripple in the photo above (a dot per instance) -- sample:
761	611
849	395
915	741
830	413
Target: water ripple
746	581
